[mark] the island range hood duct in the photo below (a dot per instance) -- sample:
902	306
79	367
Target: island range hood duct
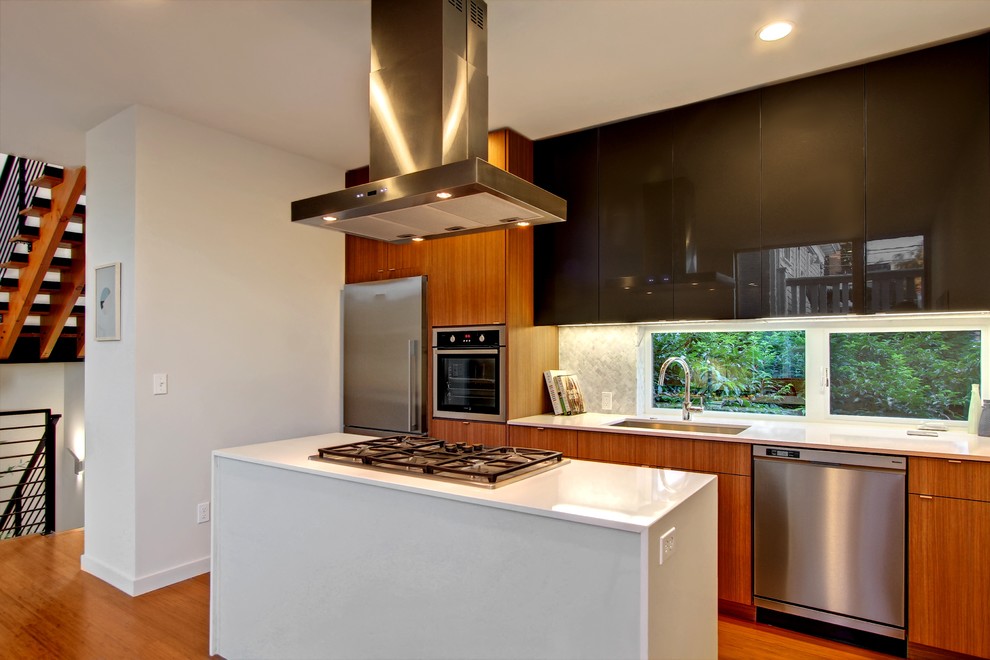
429	134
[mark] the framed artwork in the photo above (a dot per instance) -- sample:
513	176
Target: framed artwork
106	305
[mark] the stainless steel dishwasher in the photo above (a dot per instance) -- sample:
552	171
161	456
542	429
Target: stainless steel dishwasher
829	539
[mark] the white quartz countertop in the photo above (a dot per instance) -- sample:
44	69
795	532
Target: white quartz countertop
602	494
879	438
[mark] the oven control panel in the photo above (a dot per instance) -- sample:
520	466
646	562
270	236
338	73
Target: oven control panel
476	337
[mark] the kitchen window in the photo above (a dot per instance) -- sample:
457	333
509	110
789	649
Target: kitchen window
745	372
882	368
912	374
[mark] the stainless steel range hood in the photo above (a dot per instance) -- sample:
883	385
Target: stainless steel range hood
429	134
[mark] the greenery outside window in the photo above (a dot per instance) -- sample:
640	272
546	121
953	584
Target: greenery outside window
907	374
747	371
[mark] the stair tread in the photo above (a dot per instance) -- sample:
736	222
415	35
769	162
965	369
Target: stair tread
40	206
9	285
29	234
43	309
50	177
20	260
35	331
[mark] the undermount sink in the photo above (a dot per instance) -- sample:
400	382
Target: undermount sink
693	427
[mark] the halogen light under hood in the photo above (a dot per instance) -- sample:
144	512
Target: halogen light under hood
429	134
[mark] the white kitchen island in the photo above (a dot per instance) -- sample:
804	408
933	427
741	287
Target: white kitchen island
319	560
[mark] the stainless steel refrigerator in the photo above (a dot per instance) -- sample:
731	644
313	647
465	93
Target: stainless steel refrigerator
385	357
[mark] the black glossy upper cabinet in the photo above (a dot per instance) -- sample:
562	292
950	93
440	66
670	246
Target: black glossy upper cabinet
565	255
813	195
716	208
928	179
635	232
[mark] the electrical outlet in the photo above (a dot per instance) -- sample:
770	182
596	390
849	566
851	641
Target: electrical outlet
606	400
160	384
668	543
203	512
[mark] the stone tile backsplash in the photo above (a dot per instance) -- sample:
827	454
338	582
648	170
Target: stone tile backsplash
604	358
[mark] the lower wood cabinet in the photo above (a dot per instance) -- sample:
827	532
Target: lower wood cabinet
539	437
455	430
735	540
730	461
949	555
618	448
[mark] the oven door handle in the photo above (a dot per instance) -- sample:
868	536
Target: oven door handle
415	398
466	352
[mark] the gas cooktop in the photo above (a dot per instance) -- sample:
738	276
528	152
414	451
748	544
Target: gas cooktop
462	462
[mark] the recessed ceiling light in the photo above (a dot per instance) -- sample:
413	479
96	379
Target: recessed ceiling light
775	31
329	218
417	239
444	195
522	223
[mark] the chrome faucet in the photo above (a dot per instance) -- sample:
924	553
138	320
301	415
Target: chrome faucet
687	408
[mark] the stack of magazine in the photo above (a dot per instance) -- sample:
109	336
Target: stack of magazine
565	393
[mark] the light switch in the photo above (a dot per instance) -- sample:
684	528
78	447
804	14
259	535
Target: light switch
160	384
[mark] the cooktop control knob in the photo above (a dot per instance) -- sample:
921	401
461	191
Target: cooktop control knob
481	338
453	339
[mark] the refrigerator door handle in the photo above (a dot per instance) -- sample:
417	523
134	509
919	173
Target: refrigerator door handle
414	394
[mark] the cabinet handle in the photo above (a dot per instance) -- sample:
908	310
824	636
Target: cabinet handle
925	497
952	460
465	423
539	428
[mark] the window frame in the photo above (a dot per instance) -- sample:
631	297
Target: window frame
818	331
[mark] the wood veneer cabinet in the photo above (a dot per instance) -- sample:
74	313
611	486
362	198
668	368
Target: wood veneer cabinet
368	260
731	462
455	430
949	555
539	437
618	448
467	279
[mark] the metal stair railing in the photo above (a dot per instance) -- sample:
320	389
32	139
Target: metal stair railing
16	194
27	472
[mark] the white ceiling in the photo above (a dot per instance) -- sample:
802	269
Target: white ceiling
294	73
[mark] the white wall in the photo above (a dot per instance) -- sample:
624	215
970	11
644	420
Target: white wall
224	294
57	386
111	189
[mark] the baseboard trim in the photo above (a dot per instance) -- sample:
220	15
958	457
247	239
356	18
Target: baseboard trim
737	610
144	584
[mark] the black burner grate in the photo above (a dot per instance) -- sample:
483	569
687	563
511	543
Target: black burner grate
431	456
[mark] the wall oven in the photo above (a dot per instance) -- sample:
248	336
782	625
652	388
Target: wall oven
469	373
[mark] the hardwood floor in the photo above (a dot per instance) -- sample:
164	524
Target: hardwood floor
50	608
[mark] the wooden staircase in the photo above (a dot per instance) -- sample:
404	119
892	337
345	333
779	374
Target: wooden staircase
42	281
